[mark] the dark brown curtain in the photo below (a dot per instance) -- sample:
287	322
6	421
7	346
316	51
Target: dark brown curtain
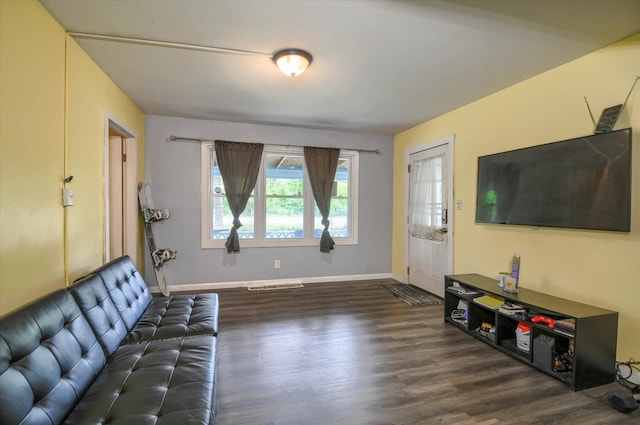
239	165
321	165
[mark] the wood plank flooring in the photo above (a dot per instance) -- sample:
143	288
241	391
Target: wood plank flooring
352	353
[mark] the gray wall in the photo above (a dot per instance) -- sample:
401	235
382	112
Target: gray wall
173	169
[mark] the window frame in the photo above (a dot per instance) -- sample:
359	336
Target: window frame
260	239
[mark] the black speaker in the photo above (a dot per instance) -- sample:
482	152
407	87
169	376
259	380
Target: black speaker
624	402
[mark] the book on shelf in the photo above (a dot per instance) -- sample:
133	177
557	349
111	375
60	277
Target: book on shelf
490	301
566	324
511	309
566	327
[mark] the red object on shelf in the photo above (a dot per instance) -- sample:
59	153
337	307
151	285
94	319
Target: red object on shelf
524	327
549	322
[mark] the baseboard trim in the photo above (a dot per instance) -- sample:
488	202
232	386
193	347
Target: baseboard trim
400	279
246	283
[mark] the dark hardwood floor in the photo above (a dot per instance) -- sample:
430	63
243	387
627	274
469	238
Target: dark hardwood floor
351	353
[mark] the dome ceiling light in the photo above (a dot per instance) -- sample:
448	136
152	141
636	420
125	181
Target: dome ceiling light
292	62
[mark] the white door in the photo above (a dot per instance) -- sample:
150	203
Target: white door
428	218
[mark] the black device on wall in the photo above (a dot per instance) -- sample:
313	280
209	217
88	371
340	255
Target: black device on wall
581	183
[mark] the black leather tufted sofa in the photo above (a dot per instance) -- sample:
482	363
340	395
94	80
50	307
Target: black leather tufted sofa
104	351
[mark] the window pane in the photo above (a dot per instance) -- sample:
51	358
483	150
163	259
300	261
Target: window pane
339	213
284	196
284	175
223	219
285	218
217	185
338	219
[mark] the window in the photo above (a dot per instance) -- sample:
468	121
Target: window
281	210
284	195
426	198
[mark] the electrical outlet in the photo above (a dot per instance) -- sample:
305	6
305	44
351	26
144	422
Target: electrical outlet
276	264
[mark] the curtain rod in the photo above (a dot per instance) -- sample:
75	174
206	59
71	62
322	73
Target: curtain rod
195	139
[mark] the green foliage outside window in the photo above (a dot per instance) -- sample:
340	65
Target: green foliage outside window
284	202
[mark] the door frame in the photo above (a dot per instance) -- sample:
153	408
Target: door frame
444	141
130	223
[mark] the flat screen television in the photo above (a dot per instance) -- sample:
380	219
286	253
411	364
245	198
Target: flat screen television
581	183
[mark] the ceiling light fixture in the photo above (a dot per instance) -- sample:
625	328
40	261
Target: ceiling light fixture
292	62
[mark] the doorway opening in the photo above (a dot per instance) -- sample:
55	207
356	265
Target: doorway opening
121	195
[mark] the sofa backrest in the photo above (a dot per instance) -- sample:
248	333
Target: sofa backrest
127	289
48	358
94	301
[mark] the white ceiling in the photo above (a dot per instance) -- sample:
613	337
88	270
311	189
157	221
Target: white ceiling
379	66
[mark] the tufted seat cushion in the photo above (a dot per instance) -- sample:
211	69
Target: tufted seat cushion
160	382
49	356
177	316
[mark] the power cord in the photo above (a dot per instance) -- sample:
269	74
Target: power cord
624	371
622	400
459	316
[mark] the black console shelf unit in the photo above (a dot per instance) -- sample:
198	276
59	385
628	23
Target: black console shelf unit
592	344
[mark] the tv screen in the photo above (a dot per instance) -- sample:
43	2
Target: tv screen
582	183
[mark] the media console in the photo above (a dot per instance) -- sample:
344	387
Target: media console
582	357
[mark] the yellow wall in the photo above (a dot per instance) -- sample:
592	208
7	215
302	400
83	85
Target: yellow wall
32	153
599	268
92	95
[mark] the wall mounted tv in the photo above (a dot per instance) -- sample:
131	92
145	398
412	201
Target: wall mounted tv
582	183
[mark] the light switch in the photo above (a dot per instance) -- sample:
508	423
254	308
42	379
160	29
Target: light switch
67	197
